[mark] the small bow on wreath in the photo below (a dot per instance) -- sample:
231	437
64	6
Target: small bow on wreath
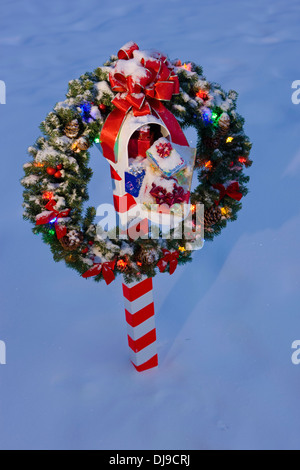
169	257
232	191
52	215
141	83
107	269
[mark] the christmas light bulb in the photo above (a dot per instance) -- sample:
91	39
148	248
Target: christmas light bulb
121	263
207	115
225	211
47	195
208	165
202	94
229	139
187	66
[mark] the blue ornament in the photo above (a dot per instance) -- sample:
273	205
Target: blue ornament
134	180
207	116
85	111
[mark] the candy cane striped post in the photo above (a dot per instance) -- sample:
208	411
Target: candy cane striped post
141	331
138	295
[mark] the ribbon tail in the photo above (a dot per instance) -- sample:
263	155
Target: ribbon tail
110	133
94	271
108	274
162	265
61	231
173	265
234	192
236	196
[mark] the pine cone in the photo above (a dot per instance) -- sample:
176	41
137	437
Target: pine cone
212	216
83	143
72	129
147	255
72	240
224	123
80	144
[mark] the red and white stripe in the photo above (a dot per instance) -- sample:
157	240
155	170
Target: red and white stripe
141	331
129	223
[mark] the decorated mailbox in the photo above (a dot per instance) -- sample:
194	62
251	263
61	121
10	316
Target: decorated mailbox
152	163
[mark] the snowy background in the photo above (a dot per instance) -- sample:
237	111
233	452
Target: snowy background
225	322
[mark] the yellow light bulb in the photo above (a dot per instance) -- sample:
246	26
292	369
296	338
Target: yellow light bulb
229	139
187	66
225	211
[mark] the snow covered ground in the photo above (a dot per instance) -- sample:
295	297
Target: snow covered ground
226	322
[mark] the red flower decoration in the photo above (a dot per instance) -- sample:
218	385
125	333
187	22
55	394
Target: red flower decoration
163	197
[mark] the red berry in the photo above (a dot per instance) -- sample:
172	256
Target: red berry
59	167
50	170
91	243
57	174
102	107
85	250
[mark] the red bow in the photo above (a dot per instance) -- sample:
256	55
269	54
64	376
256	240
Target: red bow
152	79
163	197
232	191
169	257
106	268
53	215
141	83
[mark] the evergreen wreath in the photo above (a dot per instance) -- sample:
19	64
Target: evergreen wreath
57	176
